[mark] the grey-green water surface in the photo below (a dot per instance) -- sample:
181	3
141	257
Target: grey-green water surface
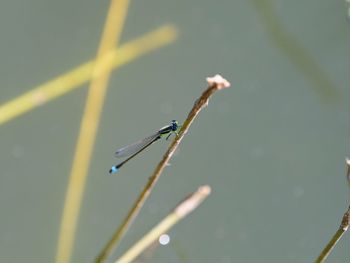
272	147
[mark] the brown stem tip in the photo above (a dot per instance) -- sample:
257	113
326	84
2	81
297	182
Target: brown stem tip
218	81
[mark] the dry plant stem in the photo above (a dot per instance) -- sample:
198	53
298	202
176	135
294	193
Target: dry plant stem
182	210
344	225
340	232
215	83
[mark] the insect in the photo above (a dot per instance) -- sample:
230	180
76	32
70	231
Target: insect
135	148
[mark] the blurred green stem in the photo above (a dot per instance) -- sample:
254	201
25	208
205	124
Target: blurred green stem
183	209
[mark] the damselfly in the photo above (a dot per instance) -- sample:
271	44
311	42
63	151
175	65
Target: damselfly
135	148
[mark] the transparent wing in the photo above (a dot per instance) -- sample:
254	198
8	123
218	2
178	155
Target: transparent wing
136	146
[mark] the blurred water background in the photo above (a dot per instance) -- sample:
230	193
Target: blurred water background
272	147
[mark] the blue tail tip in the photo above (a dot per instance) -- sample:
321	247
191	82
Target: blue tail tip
113	170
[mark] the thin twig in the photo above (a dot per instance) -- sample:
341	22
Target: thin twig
215	83
344	225
340	232
182	210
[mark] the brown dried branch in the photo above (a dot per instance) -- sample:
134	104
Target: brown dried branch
215	83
